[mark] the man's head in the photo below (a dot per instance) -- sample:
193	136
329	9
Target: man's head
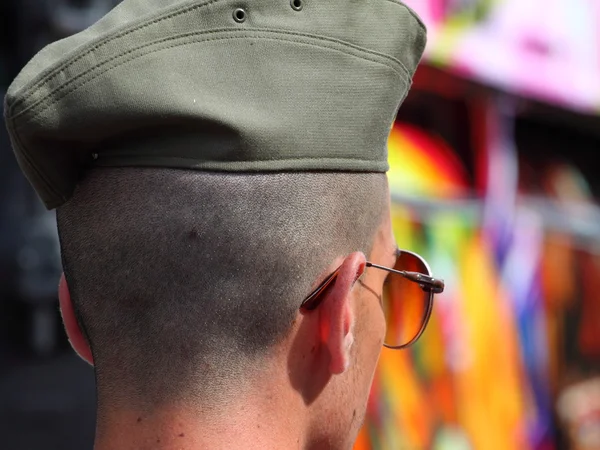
188	285
212	162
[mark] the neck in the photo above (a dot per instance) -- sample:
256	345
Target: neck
269	422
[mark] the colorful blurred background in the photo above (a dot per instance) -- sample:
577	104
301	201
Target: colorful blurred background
495	179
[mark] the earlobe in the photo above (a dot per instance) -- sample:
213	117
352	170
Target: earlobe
78	342
338	313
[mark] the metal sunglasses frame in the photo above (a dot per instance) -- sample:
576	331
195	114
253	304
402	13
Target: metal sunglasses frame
427	282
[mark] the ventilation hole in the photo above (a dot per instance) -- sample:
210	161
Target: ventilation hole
239	15
296	4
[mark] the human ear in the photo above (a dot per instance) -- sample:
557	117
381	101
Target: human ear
76	338
337	313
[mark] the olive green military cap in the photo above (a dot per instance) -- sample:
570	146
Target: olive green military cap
219	85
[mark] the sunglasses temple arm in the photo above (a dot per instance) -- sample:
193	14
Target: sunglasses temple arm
314	299
434	285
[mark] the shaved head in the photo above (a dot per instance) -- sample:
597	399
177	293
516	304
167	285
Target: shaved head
183	280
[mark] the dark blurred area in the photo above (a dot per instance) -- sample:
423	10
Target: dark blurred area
490	157
47	395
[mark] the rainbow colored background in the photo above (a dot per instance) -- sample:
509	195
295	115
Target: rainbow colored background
468	383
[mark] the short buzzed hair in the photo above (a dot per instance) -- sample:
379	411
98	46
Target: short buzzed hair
180	278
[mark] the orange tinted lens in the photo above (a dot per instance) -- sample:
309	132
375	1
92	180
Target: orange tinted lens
405	304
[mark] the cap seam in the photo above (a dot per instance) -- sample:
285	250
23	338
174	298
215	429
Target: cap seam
206	33
49	101
138	154
24	93
258	165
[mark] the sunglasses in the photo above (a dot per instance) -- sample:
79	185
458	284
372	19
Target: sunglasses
407	298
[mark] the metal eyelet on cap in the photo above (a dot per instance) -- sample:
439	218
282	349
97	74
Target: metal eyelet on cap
239	15
296	5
